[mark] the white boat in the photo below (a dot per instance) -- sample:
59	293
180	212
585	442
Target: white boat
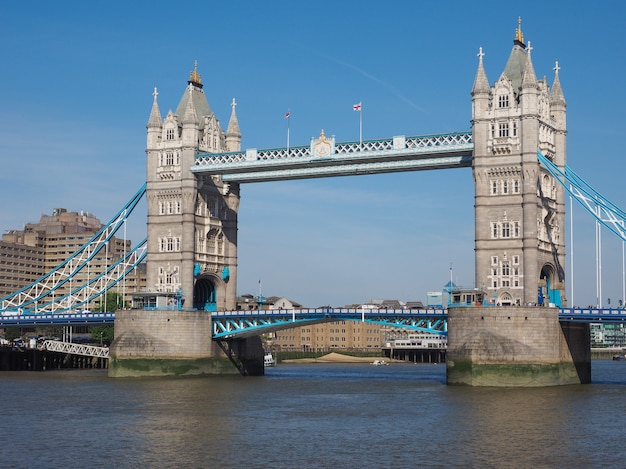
379	363
269	360
423	341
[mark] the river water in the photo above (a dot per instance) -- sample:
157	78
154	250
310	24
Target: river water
309	416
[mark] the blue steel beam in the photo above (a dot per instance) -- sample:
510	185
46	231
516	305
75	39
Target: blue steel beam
67	319
230	324
47	285
608	214
240	324
592	315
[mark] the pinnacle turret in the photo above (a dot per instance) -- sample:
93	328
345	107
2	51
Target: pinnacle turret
481	84
155	114
530	78
190	116
233	132
557	97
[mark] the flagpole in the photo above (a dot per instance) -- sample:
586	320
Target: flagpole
288	115
359	108
360	126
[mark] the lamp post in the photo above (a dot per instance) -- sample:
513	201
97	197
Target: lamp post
101	338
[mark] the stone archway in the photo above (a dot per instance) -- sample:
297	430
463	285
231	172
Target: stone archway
205	294
505	299
548	292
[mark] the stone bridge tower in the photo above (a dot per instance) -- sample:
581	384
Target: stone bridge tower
518	340
192	220
519	207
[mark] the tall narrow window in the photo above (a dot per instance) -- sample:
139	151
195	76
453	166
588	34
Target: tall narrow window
212	206
506	230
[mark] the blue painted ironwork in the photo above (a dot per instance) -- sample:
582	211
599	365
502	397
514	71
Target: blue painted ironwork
237	324
57	319
230	324
42	291
606	213
592	315
451	150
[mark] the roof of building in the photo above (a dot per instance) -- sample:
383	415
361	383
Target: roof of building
198	99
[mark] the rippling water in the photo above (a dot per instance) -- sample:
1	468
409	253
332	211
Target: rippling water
309	416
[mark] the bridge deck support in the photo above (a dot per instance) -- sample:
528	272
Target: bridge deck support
516	346
168	343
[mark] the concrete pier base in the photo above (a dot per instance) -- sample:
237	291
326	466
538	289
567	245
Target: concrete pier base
176	343
516	346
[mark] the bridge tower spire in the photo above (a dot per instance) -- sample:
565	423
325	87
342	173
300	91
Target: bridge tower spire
233	133
192	220
520	217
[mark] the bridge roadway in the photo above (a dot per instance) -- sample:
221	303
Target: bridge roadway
56	319
232	324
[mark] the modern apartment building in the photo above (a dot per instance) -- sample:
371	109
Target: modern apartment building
28	254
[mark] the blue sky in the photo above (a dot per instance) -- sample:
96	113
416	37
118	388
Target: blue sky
76	91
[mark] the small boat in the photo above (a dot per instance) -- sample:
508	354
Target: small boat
379	363
269	360
619	357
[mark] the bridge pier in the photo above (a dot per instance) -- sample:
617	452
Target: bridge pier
176	343
516	346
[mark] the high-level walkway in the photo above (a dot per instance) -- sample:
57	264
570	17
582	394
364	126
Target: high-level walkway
325	158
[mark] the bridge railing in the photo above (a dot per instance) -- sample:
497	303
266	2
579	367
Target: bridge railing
76	349
593	314
31	319
323	312
419	142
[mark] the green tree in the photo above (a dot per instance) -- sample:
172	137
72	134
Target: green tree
110	302
11	333
104	333
49	331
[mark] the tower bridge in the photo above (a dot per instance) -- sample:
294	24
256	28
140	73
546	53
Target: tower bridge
516	150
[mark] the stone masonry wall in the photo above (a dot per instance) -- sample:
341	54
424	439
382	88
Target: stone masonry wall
515	346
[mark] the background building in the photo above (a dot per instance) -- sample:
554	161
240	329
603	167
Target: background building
336	335
28	254
20	265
